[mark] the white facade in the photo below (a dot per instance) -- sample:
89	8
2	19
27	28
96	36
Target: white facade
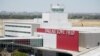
49	40
19	29
55	20
89	37
89	40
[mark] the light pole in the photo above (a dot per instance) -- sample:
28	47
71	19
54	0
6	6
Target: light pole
12	45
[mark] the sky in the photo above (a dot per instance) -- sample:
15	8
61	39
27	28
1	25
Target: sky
71	6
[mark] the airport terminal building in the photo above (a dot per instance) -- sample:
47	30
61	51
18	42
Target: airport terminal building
52	32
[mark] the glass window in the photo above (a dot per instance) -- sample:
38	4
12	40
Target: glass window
18	26
17	31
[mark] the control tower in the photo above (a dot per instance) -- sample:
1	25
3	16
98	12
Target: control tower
57	8
56	18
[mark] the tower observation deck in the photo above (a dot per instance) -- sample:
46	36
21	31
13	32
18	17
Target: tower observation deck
57	8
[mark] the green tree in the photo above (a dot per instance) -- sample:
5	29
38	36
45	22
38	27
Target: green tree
17	53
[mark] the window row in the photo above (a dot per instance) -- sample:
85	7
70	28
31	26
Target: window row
18	26
10	36
17	31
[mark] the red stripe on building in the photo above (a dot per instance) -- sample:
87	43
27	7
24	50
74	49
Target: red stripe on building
55	31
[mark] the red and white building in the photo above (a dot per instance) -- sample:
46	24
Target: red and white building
56	31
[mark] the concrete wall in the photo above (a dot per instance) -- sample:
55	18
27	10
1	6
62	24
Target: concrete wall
19	29
27	21
89	40
12	20
1	27
54	20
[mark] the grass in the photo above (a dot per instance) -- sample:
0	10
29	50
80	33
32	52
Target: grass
88	23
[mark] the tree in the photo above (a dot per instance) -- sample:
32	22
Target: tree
17	53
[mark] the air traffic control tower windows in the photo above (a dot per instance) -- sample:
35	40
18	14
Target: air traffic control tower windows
57	8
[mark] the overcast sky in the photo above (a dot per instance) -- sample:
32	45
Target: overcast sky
72	6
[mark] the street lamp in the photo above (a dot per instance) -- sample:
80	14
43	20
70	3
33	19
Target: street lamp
12	45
